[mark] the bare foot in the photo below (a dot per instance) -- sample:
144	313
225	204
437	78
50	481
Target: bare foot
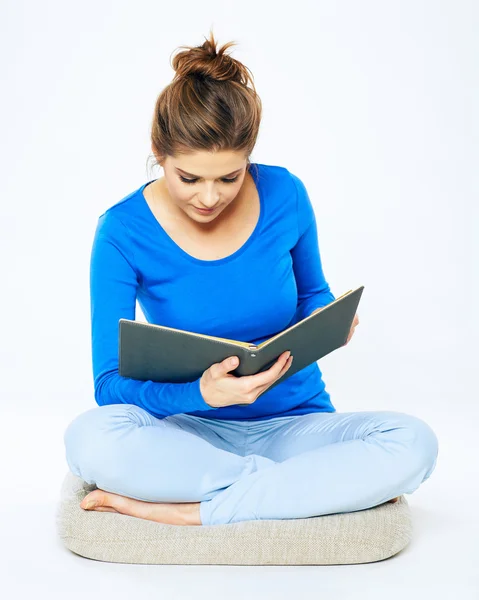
183	513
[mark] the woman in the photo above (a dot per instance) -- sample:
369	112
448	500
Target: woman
226	247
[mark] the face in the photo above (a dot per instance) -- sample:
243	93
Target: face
209	180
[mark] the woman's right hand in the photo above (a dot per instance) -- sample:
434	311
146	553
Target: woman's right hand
219	388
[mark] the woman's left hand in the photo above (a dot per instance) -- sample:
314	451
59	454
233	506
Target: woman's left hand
353	325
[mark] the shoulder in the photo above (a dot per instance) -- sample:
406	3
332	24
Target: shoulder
271	173
280	176
112	221
291	184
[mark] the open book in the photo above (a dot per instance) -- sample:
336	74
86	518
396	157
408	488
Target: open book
164	354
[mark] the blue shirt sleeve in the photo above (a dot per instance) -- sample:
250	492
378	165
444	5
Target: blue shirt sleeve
113	289
313	289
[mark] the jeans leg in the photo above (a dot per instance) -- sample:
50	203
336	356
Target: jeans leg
125	450
328	463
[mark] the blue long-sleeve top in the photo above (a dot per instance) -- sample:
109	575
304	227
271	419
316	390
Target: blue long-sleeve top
273	281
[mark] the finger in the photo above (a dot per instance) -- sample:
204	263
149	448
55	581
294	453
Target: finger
266	377
262	388
287	364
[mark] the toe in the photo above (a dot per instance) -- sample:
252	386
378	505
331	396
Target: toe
105	509
93	499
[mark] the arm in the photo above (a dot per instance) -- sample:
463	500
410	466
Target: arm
313	289
113	290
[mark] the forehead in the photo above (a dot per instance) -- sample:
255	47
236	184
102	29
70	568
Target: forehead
208	164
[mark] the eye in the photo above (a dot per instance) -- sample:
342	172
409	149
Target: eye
224	179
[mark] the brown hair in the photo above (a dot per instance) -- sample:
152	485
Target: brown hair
208	105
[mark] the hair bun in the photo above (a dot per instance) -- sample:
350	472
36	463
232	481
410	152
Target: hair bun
206	61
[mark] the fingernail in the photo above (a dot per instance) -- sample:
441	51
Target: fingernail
90	504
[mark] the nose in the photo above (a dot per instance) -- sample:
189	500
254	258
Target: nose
209	198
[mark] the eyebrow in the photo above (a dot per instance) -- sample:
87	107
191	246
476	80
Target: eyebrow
198	177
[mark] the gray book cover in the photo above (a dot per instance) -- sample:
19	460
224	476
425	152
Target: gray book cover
151	352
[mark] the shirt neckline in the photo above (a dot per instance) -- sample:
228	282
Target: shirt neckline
255	173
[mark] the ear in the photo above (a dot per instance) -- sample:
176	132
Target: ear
159	159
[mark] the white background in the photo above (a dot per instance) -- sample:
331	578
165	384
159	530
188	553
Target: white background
373	105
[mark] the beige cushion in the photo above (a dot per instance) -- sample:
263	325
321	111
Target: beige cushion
343	538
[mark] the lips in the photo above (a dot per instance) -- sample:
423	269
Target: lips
206	211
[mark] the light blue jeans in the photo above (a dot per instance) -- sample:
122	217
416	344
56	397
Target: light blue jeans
280	468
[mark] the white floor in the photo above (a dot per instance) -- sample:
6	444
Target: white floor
440	562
